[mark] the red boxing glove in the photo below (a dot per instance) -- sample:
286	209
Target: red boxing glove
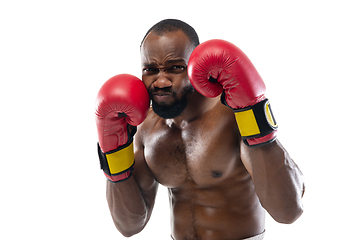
122	101
218	66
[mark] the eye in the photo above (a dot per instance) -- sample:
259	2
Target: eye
177	69
150	70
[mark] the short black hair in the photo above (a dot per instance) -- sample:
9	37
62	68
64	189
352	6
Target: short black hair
172	25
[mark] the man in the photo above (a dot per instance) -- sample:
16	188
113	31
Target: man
220	182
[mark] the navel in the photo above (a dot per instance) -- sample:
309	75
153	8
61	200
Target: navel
216	174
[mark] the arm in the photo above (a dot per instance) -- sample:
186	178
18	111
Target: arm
278	180
131	201
123	102
219	67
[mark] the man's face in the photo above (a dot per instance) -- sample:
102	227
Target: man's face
164	60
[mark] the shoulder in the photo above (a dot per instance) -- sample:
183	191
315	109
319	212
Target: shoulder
224	109
149	123
223	115
141	171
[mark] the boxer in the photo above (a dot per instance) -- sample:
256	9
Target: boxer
209	137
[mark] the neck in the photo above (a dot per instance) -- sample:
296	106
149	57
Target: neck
197	105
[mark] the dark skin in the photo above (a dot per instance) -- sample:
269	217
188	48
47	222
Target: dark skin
218	187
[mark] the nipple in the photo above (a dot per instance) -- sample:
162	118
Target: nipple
216	174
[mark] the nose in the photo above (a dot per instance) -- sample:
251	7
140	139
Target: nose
162	81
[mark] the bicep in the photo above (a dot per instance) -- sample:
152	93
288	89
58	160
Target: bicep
142	174
245	157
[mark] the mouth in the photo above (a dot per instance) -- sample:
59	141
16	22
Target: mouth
161	96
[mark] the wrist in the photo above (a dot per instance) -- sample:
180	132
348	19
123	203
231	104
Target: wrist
120	177
260	141
256	123
118	164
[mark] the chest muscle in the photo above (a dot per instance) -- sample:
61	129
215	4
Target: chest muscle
204	153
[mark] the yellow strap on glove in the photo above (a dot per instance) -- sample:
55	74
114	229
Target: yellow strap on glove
118	164
255	121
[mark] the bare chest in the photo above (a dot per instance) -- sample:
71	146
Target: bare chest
203	152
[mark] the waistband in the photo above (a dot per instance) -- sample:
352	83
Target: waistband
257	237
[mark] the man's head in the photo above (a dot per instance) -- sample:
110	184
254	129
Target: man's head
165	52
172	25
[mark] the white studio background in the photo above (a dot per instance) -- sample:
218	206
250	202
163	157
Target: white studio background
55	55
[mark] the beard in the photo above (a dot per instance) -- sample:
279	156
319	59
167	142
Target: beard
174	109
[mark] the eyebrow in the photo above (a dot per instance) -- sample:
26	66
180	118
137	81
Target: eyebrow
175	60
169	61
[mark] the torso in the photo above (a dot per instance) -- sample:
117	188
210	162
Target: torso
211	193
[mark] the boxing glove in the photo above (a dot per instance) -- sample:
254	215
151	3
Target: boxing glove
122	102
218	66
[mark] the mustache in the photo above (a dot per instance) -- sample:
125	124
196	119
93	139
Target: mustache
160	91
156	90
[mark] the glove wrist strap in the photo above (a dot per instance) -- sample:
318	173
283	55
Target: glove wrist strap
256	123
118	164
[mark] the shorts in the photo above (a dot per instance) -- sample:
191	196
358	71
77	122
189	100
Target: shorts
257	237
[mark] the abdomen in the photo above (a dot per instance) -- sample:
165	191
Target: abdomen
222	212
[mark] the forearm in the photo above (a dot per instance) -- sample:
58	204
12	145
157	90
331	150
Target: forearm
278	181
127	206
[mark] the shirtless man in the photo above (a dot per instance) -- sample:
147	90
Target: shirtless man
219	183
